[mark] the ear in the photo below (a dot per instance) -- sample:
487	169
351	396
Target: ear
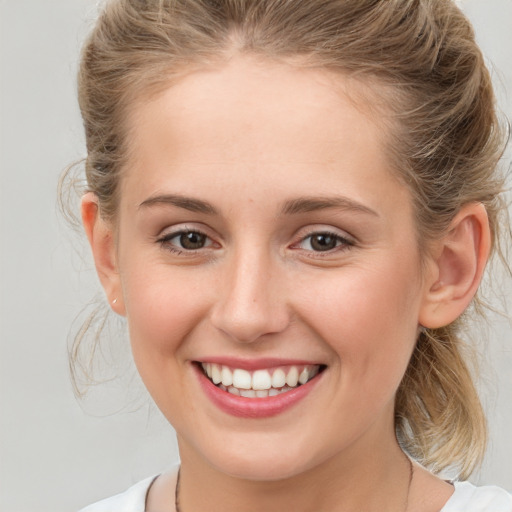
102	241
458	263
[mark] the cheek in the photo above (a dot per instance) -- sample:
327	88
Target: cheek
369	317
162	305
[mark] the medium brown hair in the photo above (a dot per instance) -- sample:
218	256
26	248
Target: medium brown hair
445	141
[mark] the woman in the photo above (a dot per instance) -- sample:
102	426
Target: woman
292	204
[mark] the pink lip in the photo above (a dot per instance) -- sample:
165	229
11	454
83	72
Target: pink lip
255	364
243	407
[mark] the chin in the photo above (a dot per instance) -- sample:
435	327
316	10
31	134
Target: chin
277	461
259	470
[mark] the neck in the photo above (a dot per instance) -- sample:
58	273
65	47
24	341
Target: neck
375	479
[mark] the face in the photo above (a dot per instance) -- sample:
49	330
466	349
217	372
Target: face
265	249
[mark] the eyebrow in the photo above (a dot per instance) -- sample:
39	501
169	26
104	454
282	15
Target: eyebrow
187	203
310	204
291	207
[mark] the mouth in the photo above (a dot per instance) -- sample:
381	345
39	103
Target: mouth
261	383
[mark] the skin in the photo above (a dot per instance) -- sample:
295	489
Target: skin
248	138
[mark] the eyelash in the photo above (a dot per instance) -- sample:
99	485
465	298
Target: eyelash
165	241
341	243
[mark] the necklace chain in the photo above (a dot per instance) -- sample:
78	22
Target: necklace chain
411	474
177	491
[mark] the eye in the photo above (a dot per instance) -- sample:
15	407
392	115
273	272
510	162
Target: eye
186	240
323	242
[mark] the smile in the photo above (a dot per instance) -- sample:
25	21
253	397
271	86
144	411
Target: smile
261	383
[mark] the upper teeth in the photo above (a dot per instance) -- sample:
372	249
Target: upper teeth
277	378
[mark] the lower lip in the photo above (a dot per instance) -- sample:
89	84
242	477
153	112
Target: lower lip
244	407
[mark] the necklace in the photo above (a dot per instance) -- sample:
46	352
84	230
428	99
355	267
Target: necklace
176	492
411	474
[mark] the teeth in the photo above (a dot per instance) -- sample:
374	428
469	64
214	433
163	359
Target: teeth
261	383
227	376
293	377
216	374
234	391
242	379
261	380
275	392
278	379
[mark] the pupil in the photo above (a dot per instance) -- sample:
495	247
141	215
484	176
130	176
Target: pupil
323	242
192	240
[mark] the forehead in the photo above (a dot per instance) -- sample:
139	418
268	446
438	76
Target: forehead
258	120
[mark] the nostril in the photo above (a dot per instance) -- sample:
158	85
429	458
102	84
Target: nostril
249	328
249	321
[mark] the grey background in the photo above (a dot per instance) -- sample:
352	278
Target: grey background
56	454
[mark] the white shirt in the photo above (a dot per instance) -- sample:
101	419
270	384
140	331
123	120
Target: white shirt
466	498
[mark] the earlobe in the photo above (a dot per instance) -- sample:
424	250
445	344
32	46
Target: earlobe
457	267
102	242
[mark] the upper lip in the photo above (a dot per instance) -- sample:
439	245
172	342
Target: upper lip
256	364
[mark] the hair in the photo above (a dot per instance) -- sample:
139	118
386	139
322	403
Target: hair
419	56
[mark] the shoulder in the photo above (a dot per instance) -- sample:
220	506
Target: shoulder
469	498
132	500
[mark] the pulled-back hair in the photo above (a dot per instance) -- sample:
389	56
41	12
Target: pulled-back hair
419	57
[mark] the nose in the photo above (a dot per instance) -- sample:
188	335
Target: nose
252	301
